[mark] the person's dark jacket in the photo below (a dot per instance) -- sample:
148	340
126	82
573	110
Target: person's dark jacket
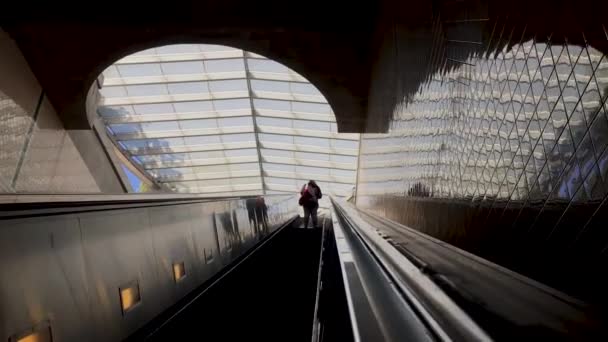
310	195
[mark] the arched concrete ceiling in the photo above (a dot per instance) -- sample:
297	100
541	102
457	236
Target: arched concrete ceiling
326	43
336	45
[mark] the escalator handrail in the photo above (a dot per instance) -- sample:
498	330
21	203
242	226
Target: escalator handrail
442	314
31	205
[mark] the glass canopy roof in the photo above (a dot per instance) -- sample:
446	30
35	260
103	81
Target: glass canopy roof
218	120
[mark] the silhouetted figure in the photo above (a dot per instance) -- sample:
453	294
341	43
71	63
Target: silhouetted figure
231	230
257	210
309	200
253	221
261	210
419	190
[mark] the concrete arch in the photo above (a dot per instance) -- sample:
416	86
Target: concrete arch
354	53
85	58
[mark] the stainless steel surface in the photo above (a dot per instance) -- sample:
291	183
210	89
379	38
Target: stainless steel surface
92	198
315	322
520	307
68	268
417	308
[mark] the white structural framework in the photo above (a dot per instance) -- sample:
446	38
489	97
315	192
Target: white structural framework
219	120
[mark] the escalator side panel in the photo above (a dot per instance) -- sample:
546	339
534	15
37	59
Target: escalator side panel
269	296
66	269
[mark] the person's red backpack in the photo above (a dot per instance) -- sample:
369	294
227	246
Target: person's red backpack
304	196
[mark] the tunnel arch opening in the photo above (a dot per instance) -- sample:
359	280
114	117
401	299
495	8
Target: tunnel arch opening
300	58
200	118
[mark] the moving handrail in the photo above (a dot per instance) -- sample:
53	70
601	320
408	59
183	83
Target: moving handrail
465	294
26	205
426	312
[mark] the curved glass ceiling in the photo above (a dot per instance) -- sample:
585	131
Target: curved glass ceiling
218	120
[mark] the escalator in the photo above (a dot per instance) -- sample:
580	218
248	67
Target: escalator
171	268
269	295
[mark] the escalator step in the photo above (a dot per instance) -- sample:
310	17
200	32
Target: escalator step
270	296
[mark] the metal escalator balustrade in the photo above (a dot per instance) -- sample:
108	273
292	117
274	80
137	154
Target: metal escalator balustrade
440	292
390	298
269	295
100	269
80	268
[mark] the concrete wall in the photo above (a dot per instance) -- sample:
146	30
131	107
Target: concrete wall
37	155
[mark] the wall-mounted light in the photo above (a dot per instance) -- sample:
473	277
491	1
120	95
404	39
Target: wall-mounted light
39	333
179	271
129	296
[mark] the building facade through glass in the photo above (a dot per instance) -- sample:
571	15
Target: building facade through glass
501	151
219	120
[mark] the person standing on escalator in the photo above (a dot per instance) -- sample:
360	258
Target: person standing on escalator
310	194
